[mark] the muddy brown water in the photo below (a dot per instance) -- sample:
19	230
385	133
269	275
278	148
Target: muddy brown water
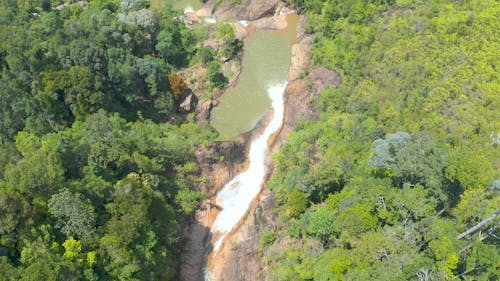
266	59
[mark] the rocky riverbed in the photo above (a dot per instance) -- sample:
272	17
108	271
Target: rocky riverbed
238	258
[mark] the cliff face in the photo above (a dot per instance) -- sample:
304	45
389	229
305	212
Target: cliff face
218	163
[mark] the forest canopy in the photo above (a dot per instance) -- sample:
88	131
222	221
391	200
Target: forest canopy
397	179
405	155
95	184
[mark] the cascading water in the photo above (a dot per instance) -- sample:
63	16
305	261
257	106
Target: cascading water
188	9
235	197
260	87
207	20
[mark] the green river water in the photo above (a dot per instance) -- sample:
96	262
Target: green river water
266	59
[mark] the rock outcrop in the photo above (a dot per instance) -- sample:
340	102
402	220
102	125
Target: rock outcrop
240	31
203	111
218	163
188	102
240	253
242	249
190	19
299	94
246	10
269	23
323	77
207	9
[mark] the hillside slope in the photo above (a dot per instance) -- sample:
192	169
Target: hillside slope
405	155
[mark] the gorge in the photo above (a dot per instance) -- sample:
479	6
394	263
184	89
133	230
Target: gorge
255	107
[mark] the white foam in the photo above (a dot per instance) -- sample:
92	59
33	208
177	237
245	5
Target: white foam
210	20
208	275
188	9
235	197
244	23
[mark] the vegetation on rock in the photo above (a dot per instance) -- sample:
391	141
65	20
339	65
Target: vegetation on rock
398	179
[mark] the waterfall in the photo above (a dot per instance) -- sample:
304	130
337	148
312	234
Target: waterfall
188	9
235	197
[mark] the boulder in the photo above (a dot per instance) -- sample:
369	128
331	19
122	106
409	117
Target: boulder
203	111
324	77
188	102
192	18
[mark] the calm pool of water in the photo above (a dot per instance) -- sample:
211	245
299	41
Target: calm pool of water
266	60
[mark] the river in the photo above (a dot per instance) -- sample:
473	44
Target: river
260	89
266	59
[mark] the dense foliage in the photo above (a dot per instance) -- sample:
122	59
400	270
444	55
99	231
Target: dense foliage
94	183
405	155
61	63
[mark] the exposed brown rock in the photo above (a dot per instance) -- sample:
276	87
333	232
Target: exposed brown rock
218	163
203	111
207	9
241	250
240	31
323	77
270	23
246	10
188	102
213	43
299	94
192	257
300	60
190	19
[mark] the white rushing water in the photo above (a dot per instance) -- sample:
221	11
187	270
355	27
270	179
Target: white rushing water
188	9
210	20
206	20
235	197
244	22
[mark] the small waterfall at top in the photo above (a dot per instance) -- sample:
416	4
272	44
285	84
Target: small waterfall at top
235	197
188	9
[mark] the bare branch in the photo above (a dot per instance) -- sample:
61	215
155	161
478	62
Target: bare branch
481	237
479	225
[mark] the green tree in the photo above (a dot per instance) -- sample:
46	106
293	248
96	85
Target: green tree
75	215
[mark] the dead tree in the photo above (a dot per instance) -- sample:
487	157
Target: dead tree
479	225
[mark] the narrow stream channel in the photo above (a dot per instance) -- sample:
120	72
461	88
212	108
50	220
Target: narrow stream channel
263	79
260	89
235	197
